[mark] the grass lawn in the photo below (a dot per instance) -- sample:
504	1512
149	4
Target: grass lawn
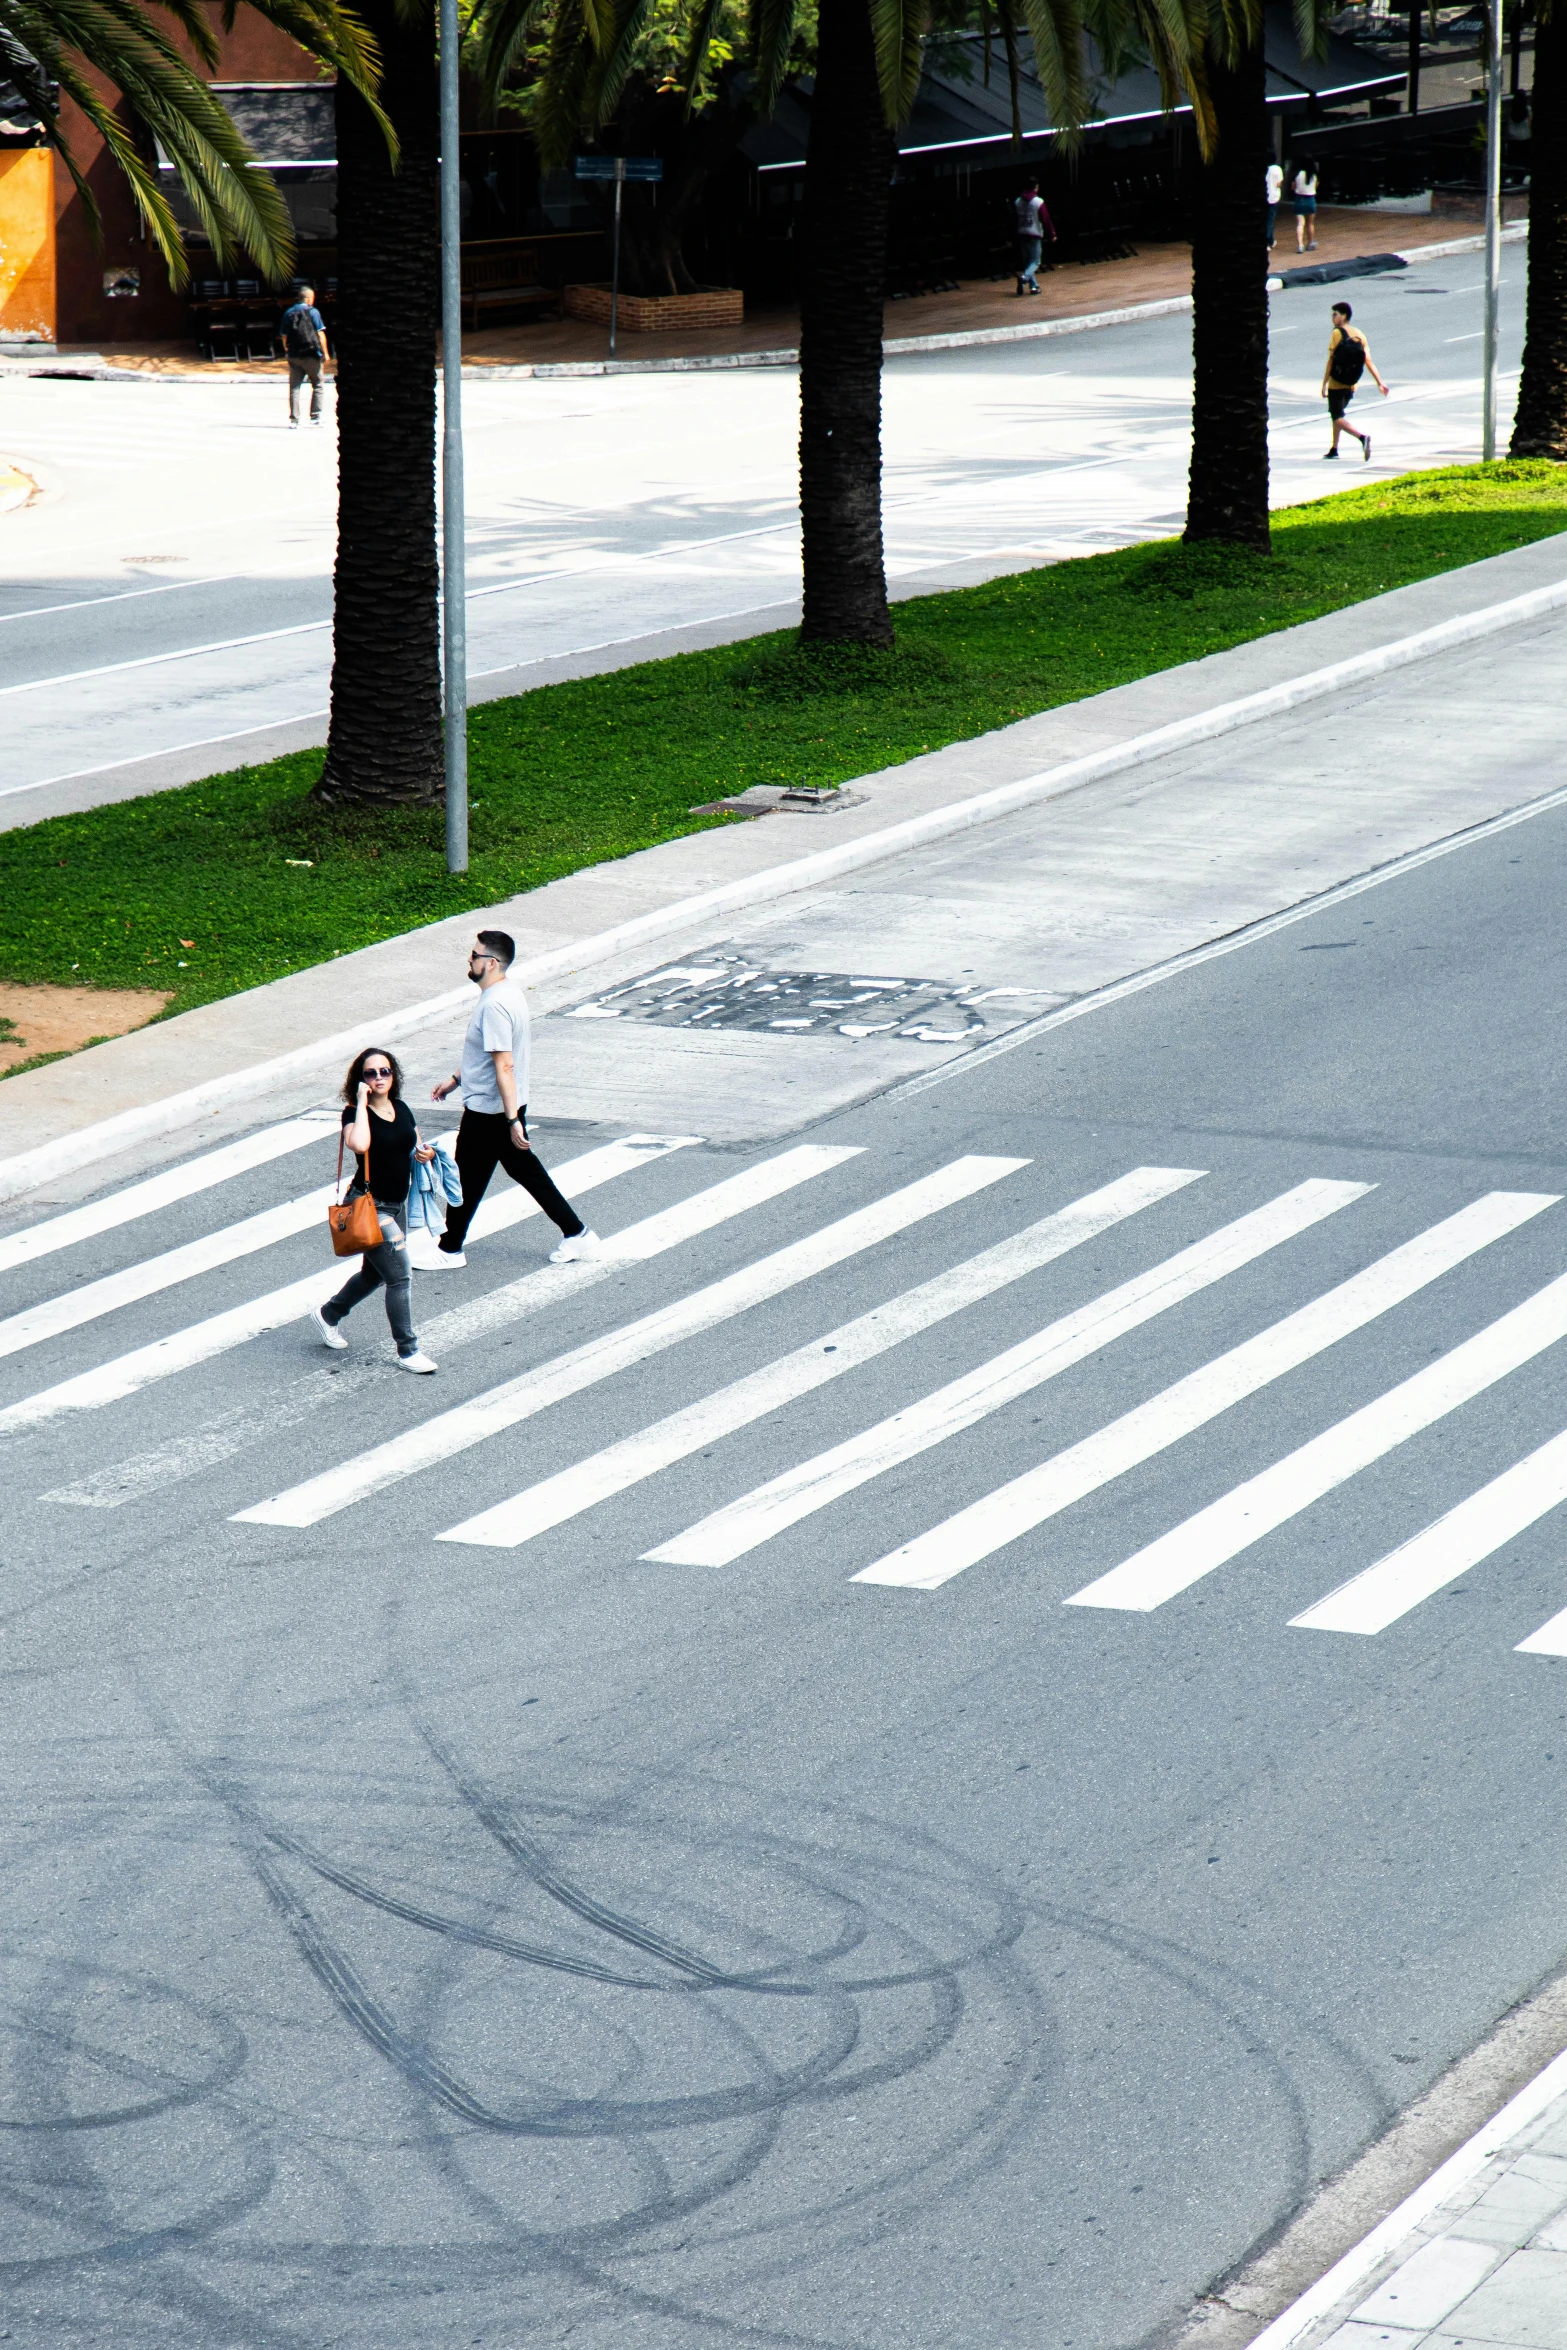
240	879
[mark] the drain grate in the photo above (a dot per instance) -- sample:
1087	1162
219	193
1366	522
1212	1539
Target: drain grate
725	991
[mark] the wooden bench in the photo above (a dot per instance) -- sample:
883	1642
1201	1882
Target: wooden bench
507	279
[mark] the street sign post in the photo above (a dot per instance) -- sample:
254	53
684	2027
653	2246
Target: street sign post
618	168
1493	225
454	568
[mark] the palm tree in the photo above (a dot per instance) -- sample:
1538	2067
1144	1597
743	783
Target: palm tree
384	744
1540	422
850	157
1227	498
50	46
1228	483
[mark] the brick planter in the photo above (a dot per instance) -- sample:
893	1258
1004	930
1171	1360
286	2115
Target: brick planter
651	314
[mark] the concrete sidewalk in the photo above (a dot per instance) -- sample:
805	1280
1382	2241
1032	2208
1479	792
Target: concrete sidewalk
1205	865
1486	2269
1073	295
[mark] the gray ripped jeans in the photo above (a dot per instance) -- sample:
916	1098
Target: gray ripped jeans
385	1268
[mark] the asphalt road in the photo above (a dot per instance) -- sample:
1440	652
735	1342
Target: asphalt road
417	1941
169	599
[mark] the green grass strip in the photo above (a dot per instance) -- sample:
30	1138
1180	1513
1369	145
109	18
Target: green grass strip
239	879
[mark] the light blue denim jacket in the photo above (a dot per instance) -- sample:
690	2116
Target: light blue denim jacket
435	1185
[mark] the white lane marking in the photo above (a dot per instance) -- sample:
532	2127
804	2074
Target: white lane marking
618	1350
1269	1500
1550	1640
164	587
798	1373
1016	1508
756	1517
232	644
161	1191
1447	1548
232	1432
127	1374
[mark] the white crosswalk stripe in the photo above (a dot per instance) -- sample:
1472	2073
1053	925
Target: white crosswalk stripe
806	1368
226	1246
1442	1552
1232	1524
535	1391
1550	1640
729	1533
161	1191
1421	1561
1025	1502
186	1455
182	1350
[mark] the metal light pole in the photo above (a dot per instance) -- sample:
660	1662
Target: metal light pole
454	568
1493	225
618	168
614	269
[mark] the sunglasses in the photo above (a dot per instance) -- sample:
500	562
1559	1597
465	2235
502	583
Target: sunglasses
367	1071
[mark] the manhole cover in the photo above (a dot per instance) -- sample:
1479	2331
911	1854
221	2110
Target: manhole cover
725	991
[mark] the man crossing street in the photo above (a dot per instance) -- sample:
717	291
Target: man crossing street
494	1130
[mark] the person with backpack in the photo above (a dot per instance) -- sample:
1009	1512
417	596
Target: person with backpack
1034	225
304	340
1349	358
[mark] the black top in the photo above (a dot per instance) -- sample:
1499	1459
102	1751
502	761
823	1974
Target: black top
392	1144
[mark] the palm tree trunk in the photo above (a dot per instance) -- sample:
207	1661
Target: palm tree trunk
1228	498
848	173
1540	424
384	741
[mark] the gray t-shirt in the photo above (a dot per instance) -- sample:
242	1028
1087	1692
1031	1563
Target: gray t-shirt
499	1025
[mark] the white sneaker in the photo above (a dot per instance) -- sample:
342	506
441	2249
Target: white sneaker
416	1362
324	1330
576	1249
426	1257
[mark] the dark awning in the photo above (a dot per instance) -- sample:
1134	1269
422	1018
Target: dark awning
958	116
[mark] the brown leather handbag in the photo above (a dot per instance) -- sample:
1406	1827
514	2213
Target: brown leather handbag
353	1223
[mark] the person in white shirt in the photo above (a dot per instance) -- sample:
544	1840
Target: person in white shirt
1275	185
1304	195
1034	225
494	1128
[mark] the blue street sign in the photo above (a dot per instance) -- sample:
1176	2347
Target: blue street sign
619	167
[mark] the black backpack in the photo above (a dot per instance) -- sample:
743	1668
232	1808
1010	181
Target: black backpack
299	330
1349	357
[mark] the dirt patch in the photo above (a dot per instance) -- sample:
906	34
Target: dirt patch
35	1020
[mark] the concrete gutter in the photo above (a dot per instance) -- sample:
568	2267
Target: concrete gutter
230	1038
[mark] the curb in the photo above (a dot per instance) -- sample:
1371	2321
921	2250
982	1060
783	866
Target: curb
720	362
1358	2263
30	1168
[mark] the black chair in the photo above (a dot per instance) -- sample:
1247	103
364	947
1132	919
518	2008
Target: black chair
223	334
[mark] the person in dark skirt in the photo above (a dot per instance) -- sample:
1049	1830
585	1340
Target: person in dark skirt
379	1129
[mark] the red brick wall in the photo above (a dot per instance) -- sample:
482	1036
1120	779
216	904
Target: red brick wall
253	52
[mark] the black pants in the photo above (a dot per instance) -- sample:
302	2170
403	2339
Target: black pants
484	1143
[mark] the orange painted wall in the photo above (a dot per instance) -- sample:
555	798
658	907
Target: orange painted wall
27	288
253	51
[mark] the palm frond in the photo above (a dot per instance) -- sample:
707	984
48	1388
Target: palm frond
773	27
498	40
563	86
1056	29
235	201
898	28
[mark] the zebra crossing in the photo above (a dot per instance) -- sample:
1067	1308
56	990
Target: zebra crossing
936	1423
